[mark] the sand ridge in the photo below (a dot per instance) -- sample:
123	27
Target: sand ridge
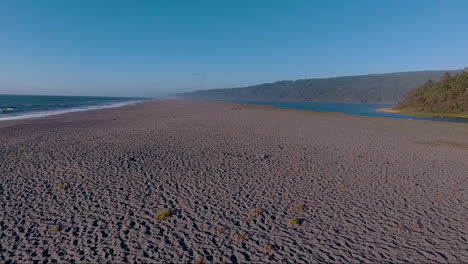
87	187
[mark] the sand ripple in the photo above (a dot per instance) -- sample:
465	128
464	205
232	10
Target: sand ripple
86	187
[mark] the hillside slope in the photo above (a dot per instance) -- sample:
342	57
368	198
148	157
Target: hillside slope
449	95
388	87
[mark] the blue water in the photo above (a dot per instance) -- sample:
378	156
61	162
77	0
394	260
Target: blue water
30	106
347	108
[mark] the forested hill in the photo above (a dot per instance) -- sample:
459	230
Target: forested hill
449	95
372	88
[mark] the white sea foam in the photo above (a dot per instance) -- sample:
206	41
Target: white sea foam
63	111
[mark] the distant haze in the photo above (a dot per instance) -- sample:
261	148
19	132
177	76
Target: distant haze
154	48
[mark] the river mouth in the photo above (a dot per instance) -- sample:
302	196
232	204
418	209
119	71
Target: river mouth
359	109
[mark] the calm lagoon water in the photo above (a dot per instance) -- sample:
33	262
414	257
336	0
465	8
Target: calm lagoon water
347	108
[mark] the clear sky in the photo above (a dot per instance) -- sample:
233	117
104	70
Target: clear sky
149	48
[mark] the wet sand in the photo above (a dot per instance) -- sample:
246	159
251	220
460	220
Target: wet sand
88	187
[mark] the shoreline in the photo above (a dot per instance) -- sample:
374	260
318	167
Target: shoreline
422	114
58	113
449	118
40	114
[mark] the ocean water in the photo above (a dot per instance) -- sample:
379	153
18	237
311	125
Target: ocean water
31	106
347	108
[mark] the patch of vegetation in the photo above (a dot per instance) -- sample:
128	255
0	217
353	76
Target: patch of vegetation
61	187
54	229
298	208
144	195
23	149
293	222
267	249
240	238
388	87
163	215
445	98
253	214
219	230
439	197
357	156
198	260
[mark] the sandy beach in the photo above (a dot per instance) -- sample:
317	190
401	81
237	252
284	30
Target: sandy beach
241	184
388	110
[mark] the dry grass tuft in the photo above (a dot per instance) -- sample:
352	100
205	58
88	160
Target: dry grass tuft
219	230
61	187
240	238
23	149
198	260
163	215
439	197
54	229
254	213
298	208
267	249
293	222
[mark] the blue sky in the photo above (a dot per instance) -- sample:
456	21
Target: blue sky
150	48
